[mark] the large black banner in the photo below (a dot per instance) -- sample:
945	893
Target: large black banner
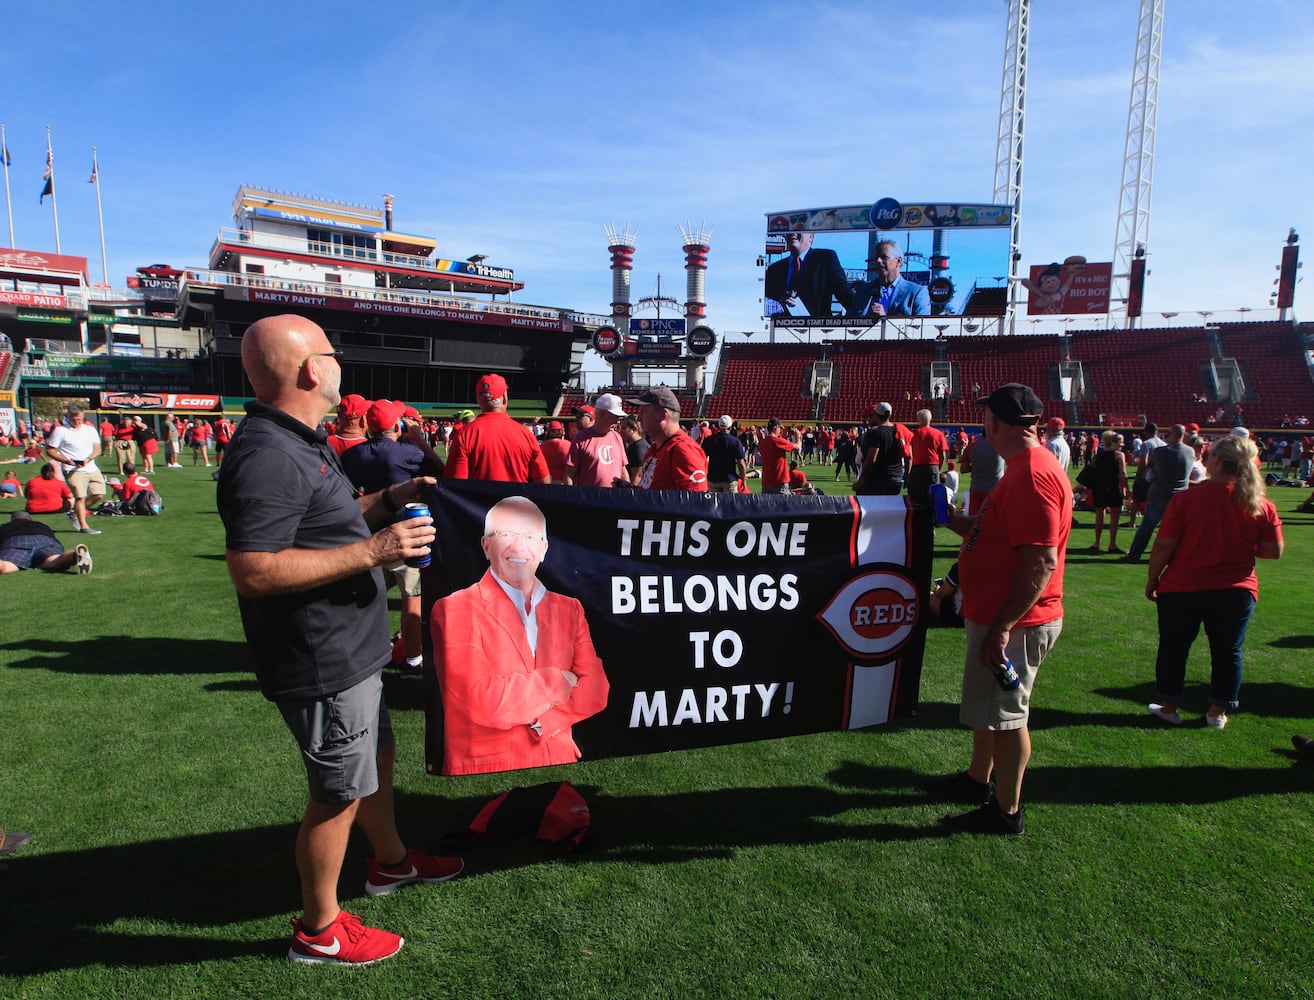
665	620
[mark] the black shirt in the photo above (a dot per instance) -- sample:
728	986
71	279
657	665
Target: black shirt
280	487
724	452
889	460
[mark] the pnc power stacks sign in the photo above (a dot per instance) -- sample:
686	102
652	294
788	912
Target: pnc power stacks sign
718	618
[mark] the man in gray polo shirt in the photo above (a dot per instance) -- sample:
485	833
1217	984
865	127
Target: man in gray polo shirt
305	556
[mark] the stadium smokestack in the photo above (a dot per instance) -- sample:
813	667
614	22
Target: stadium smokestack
621	244
697	245
387	211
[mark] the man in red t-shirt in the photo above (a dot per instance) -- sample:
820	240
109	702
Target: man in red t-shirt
223	433
494	446
674	460
46	494
1011	571
775	449
929	449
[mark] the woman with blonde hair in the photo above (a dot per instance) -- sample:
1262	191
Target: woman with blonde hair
1202	571
1108	486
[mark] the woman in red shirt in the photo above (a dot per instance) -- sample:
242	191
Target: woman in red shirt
1202	571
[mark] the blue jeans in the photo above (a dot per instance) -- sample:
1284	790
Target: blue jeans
1154	511
1225	615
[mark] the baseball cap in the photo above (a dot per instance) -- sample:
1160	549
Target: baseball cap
353	405
661	395
584	410
1239	432
410	412
726	422
556	425
383	415
885	409
1193	428
1014	404
1056	423
609	402
466	415
491	387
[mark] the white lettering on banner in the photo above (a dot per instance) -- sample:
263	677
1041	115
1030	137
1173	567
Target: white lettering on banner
649	708
690	538
653	595
746	538
727	648
664	538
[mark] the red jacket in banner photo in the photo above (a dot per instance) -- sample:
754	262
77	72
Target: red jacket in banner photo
505	706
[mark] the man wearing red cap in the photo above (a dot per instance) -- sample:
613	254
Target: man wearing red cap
390	456
351	423
555	448
494	446
1057	443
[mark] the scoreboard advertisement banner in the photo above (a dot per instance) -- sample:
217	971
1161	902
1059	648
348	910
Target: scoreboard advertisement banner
684	619
1074	287
853	265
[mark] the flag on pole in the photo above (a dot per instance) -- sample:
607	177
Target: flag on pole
4	156
92	178
49	187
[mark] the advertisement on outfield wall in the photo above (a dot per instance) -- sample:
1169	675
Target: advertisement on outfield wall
855	265
1073	288
663	621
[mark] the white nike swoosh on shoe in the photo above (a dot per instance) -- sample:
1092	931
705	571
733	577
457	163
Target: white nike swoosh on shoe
404	875
326	949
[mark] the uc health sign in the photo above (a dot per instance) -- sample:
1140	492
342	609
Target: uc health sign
685	620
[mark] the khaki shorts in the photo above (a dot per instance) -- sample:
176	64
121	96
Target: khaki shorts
86	482
985	704
408	579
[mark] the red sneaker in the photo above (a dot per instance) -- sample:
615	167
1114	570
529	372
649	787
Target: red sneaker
346	941
416	868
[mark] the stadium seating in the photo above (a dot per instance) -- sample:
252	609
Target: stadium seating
1156	372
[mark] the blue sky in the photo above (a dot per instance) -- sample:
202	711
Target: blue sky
519	130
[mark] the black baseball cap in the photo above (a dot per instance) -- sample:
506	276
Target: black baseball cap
1015	404
659	394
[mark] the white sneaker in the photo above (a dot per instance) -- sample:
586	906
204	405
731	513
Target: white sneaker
84	560
1172	718
1215	721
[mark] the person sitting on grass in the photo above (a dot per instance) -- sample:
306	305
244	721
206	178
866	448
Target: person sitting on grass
46	494
132	484
10	486
29	544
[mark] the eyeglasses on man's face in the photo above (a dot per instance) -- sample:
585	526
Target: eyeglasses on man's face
320	354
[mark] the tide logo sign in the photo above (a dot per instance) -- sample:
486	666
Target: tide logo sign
873	615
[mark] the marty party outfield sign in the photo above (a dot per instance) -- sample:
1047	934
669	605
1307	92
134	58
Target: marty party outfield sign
669	620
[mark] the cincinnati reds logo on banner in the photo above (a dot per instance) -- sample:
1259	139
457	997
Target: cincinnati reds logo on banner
873	615
606	340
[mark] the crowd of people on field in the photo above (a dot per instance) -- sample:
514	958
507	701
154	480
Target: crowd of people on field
312	555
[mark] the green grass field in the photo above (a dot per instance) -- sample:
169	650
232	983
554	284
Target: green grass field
164	793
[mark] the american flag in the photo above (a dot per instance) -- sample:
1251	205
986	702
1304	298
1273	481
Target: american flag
49	187
94	168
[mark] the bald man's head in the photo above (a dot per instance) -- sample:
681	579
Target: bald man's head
288	358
